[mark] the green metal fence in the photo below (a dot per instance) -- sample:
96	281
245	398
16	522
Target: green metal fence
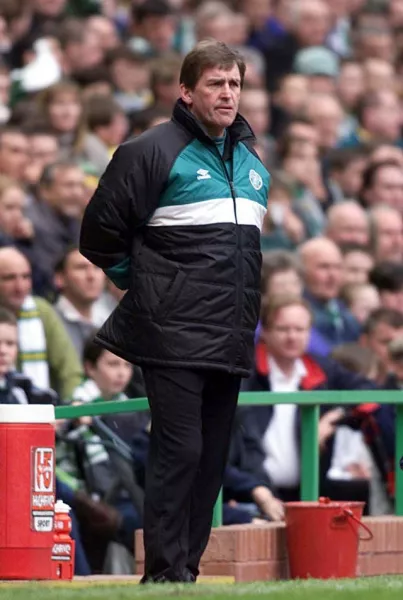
309	403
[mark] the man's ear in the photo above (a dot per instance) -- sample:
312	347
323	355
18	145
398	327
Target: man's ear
186	94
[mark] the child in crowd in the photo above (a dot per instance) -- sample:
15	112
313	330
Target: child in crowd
16	388
83	462
361	299
107	375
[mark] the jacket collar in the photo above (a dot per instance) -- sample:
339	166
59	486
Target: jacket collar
314	377
240	129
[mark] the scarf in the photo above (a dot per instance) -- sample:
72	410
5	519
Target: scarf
32	344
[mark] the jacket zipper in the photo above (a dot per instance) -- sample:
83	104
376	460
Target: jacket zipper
239	262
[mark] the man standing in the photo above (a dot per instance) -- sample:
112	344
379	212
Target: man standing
176	220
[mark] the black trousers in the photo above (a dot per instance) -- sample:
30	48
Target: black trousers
192	415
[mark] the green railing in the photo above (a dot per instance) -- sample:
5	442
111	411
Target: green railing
309	403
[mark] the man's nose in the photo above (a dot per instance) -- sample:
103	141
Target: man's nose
226	90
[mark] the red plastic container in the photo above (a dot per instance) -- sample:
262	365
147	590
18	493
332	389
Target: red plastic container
27	491
322	538
63	546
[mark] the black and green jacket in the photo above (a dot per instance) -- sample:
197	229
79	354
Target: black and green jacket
176	221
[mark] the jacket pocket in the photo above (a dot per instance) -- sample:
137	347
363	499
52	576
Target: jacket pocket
172	293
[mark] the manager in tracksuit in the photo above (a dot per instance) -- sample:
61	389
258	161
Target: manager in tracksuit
176	222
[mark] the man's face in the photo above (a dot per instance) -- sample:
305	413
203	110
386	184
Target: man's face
12	204
254	107
13	154
323	274
15	281
81	281
327	117
350	179
304	132
130	76
313	23
288	336
43	150
356	266
389	237
293	93
215	98
66	192
350	227
387	188
385	119
85	54
351	84
379	340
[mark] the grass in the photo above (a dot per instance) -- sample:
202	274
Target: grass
376	588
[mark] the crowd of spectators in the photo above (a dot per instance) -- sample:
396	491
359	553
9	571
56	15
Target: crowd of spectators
323	93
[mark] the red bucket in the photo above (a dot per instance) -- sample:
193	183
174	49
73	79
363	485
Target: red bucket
322	538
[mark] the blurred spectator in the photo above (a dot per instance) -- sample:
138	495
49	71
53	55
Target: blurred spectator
165	81
357	263
386	233
215	20
46	354
130	74
289	99
345	169
382	327
350	84
379	75
323	278
55	212
347	223
387	277
361	299
81	46
309	24
104	30
281	274
386	153
94	81
107	127
13	152
62	107
382	183
326	114
80	284
153	27
44	150
321	66
380	119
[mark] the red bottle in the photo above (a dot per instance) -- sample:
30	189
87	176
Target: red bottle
63	545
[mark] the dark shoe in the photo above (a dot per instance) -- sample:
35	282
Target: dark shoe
188	576
160	579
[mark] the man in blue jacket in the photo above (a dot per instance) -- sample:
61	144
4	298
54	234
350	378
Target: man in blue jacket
176	221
